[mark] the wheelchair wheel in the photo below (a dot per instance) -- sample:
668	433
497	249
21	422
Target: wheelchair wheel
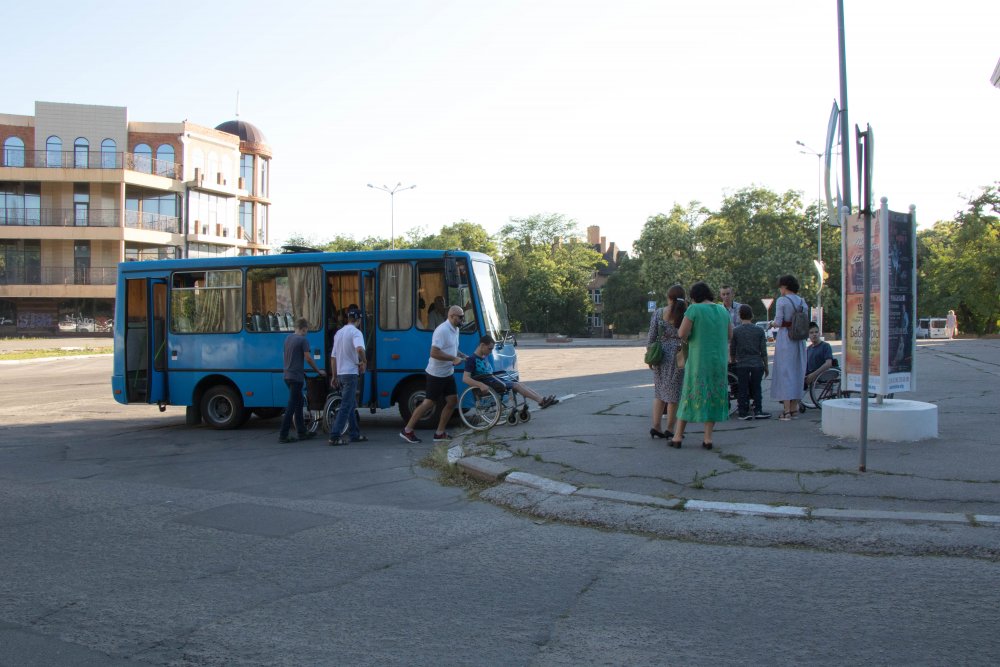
825	387
733	384
513	417
479	410
525	415
330	413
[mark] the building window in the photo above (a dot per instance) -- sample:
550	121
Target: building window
595	295
53	152
595	321
21	262
143	158
263	185
246	220
81	204
81	262
261	213
108	150
81	153
246	172
165	160
211	214
13	152
20	204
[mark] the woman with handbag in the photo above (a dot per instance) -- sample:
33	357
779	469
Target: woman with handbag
667	377
788	378
707	329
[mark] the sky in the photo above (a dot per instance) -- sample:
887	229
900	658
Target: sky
605	112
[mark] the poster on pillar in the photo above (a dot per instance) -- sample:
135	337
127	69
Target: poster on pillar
899	302
853	313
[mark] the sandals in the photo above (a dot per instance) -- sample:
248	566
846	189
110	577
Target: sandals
547	401
706	445
785	417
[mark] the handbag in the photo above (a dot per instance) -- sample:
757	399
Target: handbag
680	357
654	354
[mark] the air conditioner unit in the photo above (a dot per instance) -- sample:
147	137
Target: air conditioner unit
225	232
242	183
197	175
204	230
218	178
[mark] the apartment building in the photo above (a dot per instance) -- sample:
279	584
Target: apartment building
83	188
613	256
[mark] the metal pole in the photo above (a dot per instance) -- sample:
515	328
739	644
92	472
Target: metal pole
819	242
845	153
392	220
866	321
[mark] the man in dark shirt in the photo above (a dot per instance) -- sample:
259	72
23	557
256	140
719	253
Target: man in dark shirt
819	355
296	353
748	353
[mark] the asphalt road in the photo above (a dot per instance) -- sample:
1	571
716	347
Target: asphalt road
129	538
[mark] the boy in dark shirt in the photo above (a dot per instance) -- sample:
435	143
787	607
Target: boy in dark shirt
479	374
748	352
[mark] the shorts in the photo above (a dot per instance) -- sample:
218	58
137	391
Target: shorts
439	388
496	383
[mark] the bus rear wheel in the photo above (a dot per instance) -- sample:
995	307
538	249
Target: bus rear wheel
222	408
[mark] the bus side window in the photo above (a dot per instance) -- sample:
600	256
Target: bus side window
277	295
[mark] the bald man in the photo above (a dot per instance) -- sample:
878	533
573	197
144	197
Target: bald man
440	377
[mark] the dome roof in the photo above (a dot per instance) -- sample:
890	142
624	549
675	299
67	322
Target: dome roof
252	140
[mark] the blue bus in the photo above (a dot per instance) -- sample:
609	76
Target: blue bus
208	333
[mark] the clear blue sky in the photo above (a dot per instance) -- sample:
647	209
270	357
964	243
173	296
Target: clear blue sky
607	112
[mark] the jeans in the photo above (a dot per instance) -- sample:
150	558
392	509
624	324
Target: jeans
749	387
347	414
293	410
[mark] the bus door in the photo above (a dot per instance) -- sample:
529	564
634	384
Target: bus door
145	340
345	289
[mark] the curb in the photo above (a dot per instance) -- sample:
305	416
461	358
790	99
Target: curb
11	362
494	471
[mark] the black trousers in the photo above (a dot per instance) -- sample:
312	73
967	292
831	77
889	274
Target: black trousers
749	388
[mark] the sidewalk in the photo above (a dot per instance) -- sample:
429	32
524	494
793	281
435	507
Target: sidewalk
599	448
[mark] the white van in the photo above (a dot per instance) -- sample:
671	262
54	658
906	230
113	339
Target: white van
932	327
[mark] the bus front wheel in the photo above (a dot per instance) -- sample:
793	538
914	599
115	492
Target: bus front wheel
222	408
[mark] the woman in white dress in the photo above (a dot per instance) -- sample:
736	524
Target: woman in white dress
789	355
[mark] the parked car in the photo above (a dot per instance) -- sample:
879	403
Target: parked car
932	327
768	330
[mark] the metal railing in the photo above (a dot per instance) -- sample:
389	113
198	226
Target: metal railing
60	217
152	221
59	275
147	164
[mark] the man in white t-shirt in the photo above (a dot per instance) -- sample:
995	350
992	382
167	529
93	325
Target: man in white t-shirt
440	377
349	364
726	294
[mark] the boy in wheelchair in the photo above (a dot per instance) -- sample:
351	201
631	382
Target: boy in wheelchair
479	374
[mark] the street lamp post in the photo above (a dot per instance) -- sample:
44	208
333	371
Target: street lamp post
392	207
819	233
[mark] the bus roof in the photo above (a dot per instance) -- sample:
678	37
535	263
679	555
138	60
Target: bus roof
296	258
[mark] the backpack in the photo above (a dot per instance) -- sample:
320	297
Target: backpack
799	328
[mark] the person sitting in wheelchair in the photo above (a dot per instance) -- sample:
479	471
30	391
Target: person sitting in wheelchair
479	374
819	356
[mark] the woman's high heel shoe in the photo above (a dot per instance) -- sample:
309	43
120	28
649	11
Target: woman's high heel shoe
653	433
676	444
706	445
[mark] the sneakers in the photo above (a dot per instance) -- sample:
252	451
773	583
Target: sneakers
336	442
745	416
409	436
761	415
442	437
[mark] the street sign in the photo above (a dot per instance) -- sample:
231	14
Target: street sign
650	306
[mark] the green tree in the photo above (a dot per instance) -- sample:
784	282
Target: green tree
625	296
668	249
461	235
545	278
958	265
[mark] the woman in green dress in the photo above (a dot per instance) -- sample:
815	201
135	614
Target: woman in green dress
707	329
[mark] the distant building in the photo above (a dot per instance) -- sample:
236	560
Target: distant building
83	188
613	256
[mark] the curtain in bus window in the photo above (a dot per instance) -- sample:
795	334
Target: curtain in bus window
395	291
431	307
306	286
219	304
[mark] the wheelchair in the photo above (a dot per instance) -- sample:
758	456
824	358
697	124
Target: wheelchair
824	387
481	410
321	405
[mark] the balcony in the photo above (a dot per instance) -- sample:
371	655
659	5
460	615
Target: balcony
58	275
90	160
152	221
60	217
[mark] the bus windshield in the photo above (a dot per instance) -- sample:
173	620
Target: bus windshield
495	320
